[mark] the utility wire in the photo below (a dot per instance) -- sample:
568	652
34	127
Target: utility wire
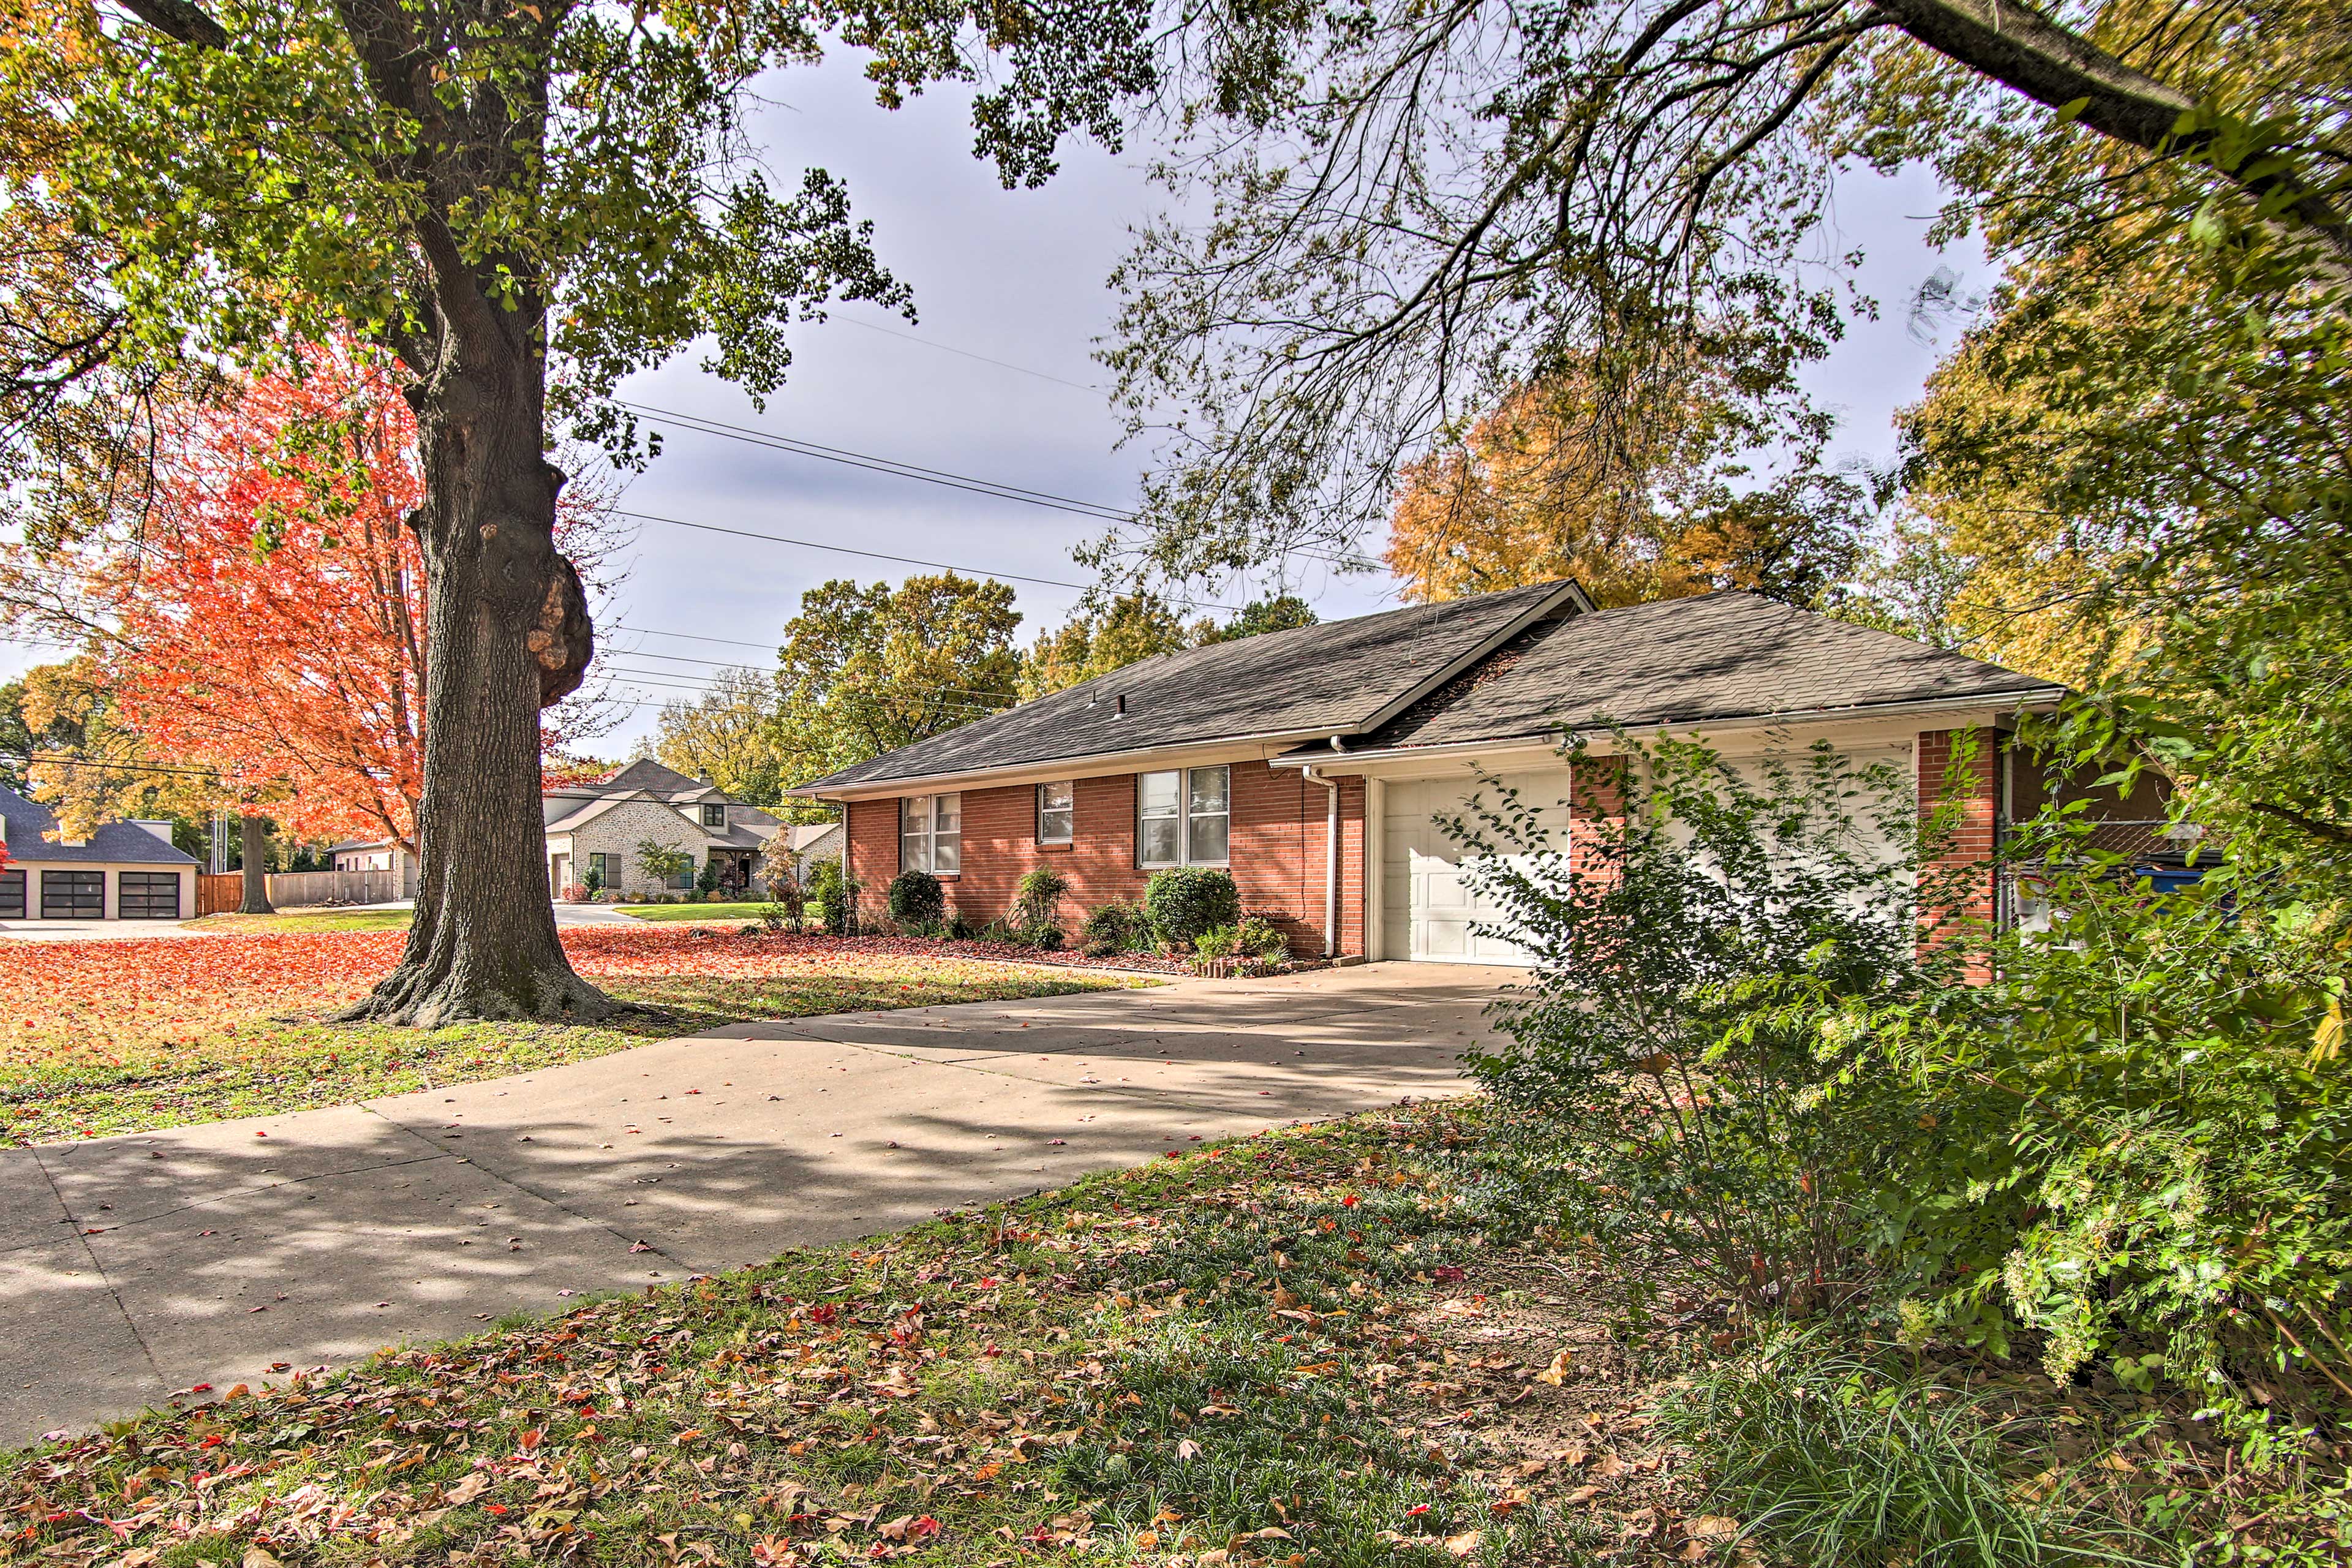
952	349
868	555
706	426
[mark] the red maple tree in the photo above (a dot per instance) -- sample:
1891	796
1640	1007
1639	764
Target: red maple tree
268	617
267	620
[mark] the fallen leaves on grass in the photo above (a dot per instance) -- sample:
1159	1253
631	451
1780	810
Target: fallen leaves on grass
123	1036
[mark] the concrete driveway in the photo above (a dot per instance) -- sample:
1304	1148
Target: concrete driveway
134	1267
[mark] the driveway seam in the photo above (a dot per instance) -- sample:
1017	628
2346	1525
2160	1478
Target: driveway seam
112	1293
555	1203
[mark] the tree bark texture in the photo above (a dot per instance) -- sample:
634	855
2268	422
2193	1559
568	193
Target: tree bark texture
253	859
506	631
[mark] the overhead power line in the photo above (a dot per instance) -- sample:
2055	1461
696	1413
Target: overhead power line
845	550
867	460
952	349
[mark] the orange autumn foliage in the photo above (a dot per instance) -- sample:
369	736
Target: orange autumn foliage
268	622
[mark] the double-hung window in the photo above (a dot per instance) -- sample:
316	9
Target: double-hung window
930	833
714	817
1184	817
1057	813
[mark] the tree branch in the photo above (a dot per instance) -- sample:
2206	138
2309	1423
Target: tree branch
183	20
2023	49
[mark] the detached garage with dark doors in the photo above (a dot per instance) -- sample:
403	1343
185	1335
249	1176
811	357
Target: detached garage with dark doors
121	871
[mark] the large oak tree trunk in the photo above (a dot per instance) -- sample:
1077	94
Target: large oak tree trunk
506	631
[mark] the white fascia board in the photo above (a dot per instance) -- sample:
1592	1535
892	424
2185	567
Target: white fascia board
1145	759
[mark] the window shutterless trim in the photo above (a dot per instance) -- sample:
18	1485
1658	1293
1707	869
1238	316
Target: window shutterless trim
1068	812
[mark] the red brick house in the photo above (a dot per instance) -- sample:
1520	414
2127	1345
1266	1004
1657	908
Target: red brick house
1311	762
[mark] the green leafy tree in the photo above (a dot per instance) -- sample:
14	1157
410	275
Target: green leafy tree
866	670
515	206
1138	625
732	735
1622	189
665	863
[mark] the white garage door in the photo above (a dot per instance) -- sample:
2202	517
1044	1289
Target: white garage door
1430	910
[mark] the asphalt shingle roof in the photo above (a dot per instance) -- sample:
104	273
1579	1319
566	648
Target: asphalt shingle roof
1334	677
123	842
1721	655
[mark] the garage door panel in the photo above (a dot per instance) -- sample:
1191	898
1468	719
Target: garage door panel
1441	908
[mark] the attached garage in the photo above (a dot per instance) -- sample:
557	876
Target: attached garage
72	895
147	895
1431	911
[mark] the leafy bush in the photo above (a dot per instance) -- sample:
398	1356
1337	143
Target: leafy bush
1113	929
917	900
577	892
1217	941
1185	900
833	897
1700	1107
1260	938
2150	1154
594	882
1037	899
706	881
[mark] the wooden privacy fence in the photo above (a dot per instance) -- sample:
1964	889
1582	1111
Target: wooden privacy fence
219	893
292	889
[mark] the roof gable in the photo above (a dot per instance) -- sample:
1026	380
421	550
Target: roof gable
1673	661
29	822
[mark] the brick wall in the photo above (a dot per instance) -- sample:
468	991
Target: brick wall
1278	833
1961	767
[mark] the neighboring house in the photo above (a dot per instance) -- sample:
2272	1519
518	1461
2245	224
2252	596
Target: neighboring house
374	855
1312	763
122	871
809	843
603	826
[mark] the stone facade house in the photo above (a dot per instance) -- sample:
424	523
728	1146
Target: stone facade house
603	826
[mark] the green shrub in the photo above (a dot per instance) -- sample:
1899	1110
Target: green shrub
1258	937
917	900
706	881
1217	941
1185	900
833	897
1717	1130
593	881
1113	929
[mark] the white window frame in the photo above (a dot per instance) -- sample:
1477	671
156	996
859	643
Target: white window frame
921	835
1184	817
1067	812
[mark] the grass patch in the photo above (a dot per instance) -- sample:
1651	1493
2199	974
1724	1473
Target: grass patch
694	911
1859	1461
304	921
125	1037
1211	1360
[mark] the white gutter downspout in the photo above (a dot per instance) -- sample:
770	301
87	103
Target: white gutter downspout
1330	857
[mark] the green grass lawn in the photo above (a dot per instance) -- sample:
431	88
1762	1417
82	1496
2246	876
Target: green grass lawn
738	912
101	1037
1242	1356
304	921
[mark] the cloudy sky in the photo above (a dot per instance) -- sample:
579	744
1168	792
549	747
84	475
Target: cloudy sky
996	381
